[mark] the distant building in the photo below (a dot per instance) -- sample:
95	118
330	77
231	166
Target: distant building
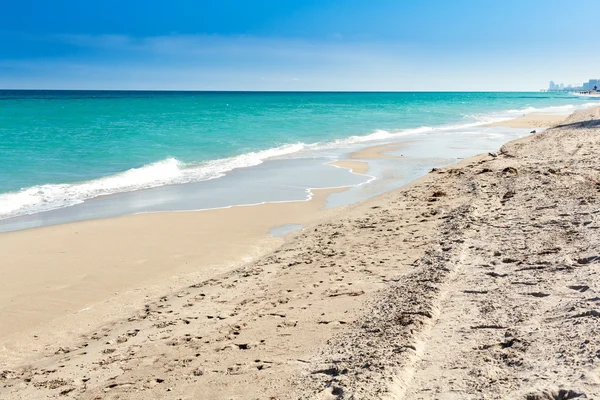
561	87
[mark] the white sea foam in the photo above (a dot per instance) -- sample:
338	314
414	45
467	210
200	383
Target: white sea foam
565	109
168	171
383	135
172	171
482	119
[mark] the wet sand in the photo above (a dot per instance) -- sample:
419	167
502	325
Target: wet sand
359	167
376	152
369	153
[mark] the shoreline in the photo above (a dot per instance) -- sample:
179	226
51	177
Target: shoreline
358	167
532	120
377	142
378	151
266	298
18	243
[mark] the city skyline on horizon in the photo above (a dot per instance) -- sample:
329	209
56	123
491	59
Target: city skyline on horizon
591	84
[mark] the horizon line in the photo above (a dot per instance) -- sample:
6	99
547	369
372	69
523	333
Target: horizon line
280	91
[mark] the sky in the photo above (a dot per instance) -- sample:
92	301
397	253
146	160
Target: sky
375	45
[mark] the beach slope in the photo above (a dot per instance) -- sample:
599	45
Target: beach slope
505	302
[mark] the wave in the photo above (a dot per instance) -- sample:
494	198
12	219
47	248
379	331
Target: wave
378	135
172	171
567	108
482	119
165	172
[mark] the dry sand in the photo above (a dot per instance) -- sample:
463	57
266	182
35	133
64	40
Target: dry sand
479	280
533	120
59	270
504	303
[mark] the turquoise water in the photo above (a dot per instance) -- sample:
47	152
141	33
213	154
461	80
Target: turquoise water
59	148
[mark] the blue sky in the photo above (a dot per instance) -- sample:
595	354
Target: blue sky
297	45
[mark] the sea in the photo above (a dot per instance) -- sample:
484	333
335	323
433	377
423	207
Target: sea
76	155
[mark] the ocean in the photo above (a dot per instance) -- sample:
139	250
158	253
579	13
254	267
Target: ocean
61	149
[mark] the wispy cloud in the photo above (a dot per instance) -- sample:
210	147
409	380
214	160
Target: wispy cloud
218	62
209	62
193	46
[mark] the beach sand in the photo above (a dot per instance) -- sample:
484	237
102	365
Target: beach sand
376	152
359	167
533	120
58	270
479	280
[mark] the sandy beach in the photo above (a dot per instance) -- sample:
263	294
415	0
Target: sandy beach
479	280
533	120
64	269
